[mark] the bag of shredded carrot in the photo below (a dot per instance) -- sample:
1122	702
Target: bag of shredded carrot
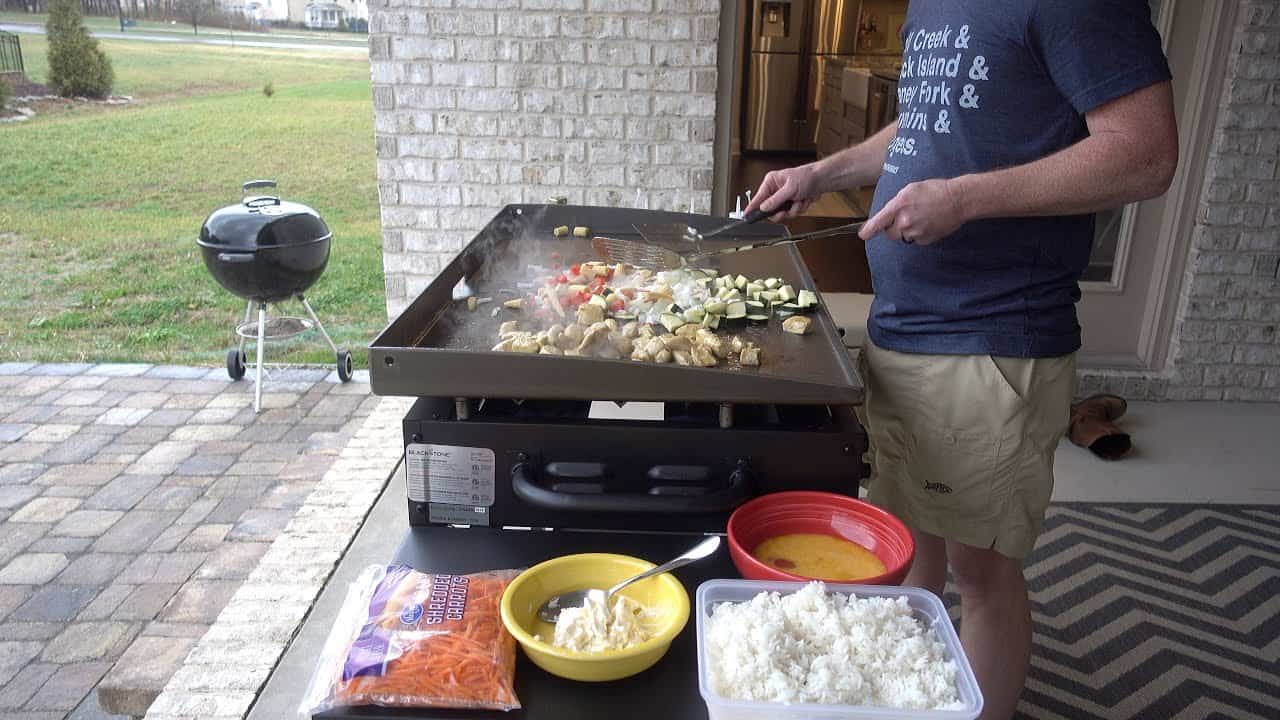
410	639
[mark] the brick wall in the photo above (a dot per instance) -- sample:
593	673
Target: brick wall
480	103
1226	344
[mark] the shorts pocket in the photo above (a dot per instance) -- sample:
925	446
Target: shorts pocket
953	469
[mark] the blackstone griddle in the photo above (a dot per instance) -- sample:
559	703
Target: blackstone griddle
515	459
439	348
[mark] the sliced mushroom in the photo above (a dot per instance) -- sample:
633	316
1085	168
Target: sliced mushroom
663	356
796	324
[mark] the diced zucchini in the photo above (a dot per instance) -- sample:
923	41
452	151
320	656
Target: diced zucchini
758	319
694	315
755	286
735	310
754	307
581	231
740	282
785	311
733	295
711	321
715	307
786	293
754	296
598	302
671	322
807	299
561	231
711	273
773	283
789	307
515	304
704	281
769	296
624	316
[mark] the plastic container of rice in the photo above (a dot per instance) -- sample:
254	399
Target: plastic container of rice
892	647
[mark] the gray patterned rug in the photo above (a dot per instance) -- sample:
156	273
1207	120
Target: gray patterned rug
1155	611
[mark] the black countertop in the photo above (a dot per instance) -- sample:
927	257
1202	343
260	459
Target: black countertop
668	690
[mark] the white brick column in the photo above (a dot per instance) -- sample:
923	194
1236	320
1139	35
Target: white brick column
480	103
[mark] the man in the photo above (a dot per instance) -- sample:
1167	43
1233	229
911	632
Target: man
1018	119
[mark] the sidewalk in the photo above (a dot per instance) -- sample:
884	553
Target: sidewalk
134	501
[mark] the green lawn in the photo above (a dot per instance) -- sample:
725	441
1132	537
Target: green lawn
99	207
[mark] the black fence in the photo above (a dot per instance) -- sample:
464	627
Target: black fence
10	53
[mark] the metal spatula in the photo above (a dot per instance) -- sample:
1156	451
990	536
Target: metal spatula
657	257
680	232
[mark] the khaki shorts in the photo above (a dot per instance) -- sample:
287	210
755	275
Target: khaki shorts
961	446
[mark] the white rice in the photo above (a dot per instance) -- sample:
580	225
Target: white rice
818	647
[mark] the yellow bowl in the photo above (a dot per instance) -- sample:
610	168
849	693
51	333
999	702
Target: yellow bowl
661	594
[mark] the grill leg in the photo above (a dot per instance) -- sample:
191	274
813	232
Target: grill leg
248	315
316	320
262	341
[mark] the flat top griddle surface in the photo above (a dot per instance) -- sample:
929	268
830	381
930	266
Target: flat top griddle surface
439	348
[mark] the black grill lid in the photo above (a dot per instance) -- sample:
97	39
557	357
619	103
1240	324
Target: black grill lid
259	221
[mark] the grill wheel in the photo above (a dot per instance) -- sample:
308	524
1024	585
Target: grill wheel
235	363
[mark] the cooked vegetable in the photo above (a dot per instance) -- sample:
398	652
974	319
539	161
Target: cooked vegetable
514	304
796	324
758	319
671	322
562	231
581	231
735	310
750	356
806	298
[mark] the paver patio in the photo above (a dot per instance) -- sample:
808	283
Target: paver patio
134	501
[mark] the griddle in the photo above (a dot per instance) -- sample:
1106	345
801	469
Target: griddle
669	689
438	348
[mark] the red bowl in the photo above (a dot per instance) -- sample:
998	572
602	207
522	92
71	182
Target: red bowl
819	513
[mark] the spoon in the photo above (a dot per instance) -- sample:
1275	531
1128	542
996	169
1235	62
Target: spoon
550	610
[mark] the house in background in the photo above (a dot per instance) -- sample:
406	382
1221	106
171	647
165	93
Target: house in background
327	15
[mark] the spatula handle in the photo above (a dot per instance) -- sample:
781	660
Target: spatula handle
759	214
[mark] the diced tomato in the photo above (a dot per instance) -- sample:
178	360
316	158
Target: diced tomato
575	269
618	306
562	280
629	293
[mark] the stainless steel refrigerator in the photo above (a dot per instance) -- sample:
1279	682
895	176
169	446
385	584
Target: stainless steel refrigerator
791	44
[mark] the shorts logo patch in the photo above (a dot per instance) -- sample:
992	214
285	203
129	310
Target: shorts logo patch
937	487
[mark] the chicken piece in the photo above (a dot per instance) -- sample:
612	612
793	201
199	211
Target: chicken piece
473	302
645	331
736	345
682	357
550	350
703	357
714	343
504	346
654	345
574	332
554	332
676	343
640	355
704	335
625	345
796	324
509	326
525	343
543	338
631	330
750	356
572	352
663	357
589	314
594	339
688	330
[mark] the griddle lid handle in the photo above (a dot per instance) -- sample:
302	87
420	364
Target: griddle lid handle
737	492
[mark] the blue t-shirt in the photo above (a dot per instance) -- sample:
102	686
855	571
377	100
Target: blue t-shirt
988	84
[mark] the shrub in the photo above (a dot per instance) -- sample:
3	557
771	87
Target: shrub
269	89
77	66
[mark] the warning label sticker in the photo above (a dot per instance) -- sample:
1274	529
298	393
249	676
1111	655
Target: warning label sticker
450	474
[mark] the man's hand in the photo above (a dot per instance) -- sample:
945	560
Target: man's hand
922	212
798	184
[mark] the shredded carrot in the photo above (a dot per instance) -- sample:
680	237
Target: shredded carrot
432	641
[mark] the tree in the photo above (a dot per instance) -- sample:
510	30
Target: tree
77	66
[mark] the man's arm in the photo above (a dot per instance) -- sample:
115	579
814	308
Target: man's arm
1130	155
853	167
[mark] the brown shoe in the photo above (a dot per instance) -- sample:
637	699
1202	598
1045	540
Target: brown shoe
1092	426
